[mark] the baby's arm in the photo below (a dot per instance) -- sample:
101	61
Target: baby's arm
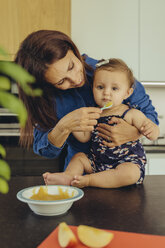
145	126
82	136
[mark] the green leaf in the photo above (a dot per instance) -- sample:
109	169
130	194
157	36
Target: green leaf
16	72
2	151
15	105
4	169
4	187
21	76
4	83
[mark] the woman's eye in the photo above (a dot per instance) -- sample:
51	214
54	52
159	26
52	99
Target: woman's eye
61	82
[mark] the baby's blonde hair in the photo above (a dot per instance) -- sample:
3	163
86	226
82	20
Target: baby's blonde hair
116	65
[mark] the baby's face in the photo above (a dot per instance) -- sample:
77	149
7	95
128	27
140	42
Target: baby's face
110	86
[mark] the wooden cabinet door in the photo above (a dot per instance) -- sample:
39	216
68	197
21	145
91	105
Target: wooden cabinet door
18	18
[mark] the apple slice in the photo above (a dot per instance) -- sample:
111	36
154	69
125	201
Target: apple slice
66	237
94	237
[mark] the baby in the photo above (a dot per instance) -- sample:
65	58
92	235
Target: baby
104	166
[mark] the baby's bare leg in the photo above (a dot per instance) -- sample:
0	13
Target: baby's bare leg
78	164
75	167
80	180
123	175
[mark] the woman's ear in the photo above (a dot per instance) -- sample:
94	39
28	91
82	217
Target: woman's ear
129	92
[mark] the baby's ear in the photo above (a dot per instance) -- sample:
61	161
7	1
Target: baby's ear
129	92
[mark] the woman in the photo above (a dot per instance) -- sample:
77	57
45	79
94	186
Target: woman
67	103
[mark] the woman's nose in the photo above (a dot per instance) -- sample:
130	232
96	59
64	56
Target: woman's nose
75	81
76	78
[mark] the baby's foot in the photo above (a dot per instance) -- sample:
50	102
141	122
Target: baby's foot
45	177
57	178
80	181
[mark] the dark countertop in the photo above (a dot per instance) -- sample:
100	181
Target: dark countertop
154	148
138	208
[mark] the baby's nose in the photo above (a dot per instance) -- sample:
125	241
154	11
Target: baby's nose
106	92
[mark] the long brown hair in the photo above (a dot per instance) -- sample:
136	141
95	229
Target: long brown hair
36	53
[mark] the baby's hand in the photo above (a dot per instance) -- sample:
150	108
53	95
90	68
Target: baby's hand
150	130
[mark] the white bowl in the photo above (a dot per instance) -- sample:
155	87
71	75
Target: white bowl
49	208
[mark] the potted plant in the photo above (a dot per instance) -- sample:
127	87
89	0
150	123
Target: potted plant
10	70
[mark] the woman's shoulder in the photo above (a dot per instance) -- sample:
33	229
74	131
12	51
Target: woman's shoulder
137	95
90	61
90	66
138	86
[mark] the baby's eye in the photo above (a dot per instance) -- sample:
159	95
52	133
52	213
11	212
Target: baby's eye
114	88
99	87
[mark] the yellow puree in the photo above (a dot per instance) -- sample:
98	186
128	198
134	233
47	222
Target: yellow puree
43	195
108	104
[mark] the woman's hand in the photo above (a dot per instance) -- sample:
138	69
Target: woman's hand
82	119
150	130
118	134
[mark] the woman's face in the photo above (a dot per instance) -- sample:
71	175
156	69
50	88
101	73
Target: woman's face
66	73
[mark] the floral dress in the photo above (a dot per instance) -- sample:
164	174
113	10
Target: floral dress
105	158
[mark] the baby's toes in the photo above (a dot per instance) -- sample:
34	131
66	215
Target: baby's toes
45	175
75	183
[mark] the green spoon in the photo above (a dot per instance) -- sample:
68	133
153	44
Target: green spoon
107	105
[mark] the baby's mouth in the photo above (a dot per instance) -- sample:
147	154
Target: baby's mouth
106	100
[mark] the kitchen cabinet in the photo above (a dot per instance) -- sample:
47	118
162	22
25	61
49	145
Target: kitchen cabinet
152	40
19	18
23	162
131	30
107	29
156	164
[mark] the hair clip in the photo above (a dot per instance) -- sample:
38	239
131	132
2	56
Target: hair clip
104	62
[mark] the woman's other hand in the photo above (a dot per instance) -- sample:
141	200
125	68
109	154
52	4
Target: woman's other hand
150	130
117	132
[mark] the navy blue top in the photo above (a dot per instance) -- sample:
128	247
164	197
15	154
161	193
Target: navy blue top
76	98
